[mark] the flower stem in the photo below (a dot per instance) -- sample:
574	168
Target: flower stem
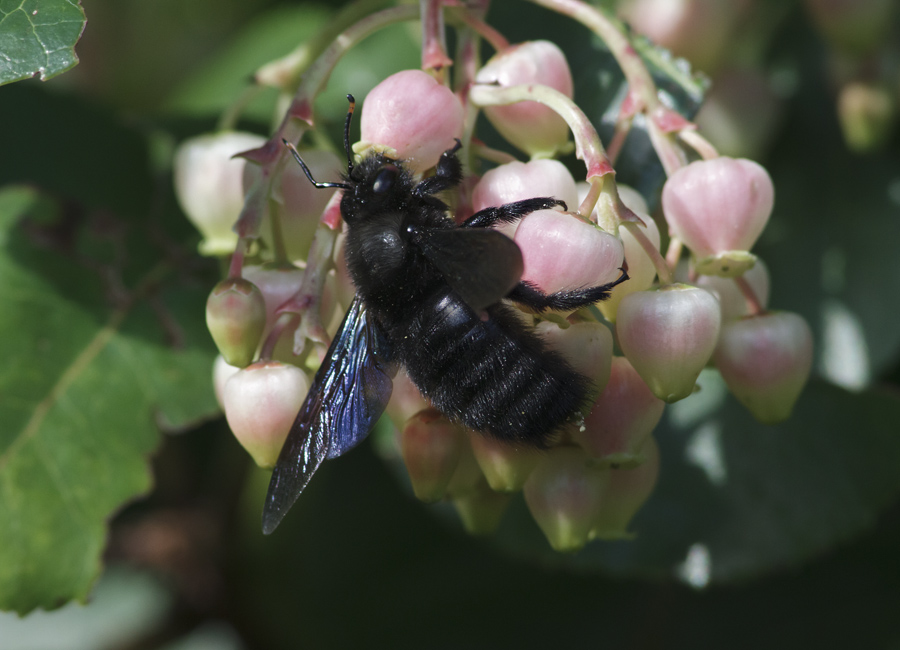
434	46
662	268
587	143
756	308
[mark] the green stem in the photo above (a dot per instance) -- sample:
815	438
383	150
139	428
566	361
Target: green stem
285	73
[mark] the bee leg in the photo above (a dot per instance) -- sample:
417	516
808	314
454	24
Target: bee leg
529	295
447	174
510	212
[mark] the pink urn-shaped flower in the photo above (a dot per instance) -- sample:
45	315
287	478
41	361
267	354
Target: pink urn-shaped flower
765	360
411	117
718	208
669	335
532	127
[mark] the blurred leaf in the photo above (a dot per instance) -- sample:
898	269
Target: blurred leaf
737	499
87	371
74	149
215	86
37	37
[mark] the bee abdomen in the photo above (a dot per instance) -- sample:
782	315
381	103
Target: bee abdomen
492	374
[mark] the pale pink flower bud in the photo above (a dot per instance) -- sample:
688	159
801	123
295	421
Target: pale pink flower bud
669	335
222	372
277	284
766	361
413	116
641	271
505	466
622	418
717	207
481	510
532	127
431	447
587	346
468	477
563	251
208	185
627	491
731	298
236	318
299	204
564	494
261	404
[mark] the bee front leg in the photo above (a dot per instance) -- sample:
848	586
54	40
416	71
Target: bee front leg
447	174
510	212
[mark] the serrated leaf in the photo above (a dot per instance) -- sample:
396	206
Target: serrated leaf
38	37
84	382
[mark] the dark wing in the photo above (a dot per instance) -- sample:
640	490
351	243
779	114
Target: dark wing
482	266
347	396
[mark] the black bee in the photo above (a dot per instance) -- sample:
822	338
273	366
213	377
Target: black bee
429	296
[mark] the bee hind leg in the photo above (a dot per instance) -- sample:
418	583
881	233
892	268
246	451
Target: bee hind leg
530	296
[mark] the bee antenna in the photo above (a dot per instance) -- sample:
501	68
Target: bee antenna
347	133
306	171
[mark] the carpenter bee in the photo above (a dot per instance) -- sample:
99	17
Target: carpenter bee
430	297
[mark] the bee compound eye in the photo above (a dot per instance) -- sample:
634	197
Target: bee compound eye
385	179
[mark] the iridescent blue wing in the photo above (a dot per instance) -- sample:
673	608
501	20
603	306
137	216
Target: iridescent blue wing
347	396
481	266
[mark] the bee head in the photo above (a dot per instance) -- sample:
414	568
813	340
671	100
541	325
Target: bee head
377	185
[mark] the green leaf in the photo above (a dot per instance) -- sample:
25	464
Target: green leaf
37	37
89	370
737	499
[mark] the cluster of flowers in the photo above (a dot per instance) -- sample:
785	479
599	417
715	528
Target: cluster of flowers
267	317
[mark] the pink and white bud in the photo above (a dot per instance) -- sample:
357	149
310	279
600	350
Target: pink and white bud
277	283
468	477
208	185
505	466
765	360
587	346
412	117
622	419
530	126
719	207
431	447
564	494
261	403
626	493
731	299
236	318
669	335
516	181
641	271
222	372
406	401
563	251
481	510
299	204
